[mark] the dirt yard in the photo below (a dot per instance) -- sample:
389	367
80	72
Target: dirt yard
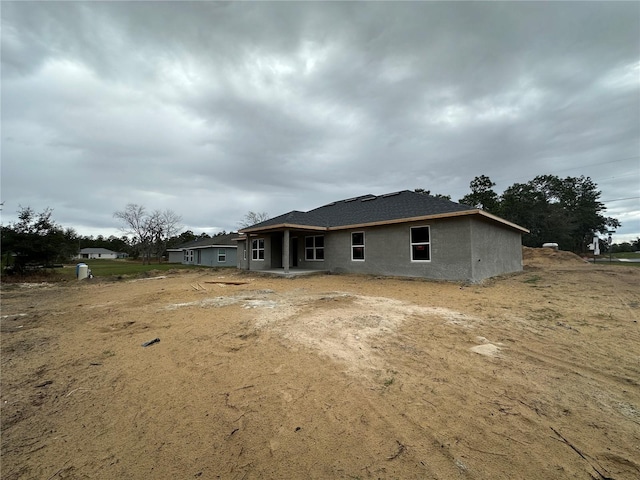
530	376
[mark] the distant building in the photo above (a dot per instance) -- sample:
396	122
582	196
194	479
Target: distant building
218	251
93	253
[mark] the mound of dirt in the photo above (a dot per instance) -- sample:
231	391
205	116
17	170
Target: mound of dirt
548	256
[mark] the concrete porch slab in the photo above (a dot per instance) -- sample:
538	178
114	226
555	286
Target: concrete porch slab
293	272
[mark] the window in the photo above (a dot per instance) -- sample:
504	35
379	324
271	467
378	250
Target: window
257	249
420	244
314	248
357	246
222	255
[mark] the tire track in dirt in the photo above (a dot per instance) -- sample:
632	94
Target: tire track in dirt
580	369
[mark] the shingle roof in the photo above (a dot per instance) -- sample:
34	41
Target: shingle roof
371	209
219	240
368	209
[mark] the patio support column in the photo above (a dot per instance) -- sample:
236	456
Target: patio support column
285	251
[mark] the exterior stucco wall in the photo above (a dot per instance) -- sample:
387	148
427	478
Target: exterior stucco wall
462	249
261	264
96	256
388	251
241	256
496	250
209	257
305	264
175	257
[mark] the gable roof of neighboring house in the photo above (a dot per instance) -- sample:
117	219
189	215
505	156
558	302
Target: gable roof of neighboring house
96	251
371	210
228	241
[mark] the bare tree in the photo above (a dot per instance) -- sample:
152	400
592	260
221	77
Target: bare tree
164	226
135	221
252	218
148	230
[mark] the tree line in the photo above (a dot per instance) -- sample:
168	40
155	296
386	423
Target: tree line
36	240
566	211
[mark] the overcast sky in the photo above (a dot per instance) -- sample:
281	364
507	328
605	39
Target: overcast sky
214	109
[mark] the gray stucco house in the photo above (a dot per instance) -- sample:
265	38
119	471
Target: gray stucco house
402	233
218	251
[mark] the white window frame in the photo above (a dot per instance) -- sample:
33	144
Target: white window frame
353	246
313	249
222	253
412	244
255	252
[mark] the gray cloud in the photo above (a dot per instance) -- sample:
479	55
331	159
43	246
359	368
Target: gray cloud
213	109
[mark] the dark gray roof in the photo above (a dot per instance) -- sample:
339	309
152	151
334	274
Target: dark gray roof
219	240
368	209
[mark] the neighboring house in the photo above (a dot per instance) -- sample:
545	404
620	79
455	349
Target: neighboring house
93	253
401	233
218	251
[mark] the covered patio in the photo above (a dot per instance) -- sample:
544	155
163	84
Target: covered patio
281	251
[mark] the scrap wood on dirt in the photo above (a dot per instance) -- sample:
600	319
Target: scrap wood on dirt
335	376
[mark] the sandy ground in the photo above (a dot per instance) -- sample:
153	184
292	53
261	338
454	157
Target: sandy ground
534	375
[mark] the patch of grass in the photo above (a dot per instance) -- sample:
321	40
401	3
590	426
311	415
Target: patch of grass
532	279
604	262
389	381
39	276
128	267
634	255
122	268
